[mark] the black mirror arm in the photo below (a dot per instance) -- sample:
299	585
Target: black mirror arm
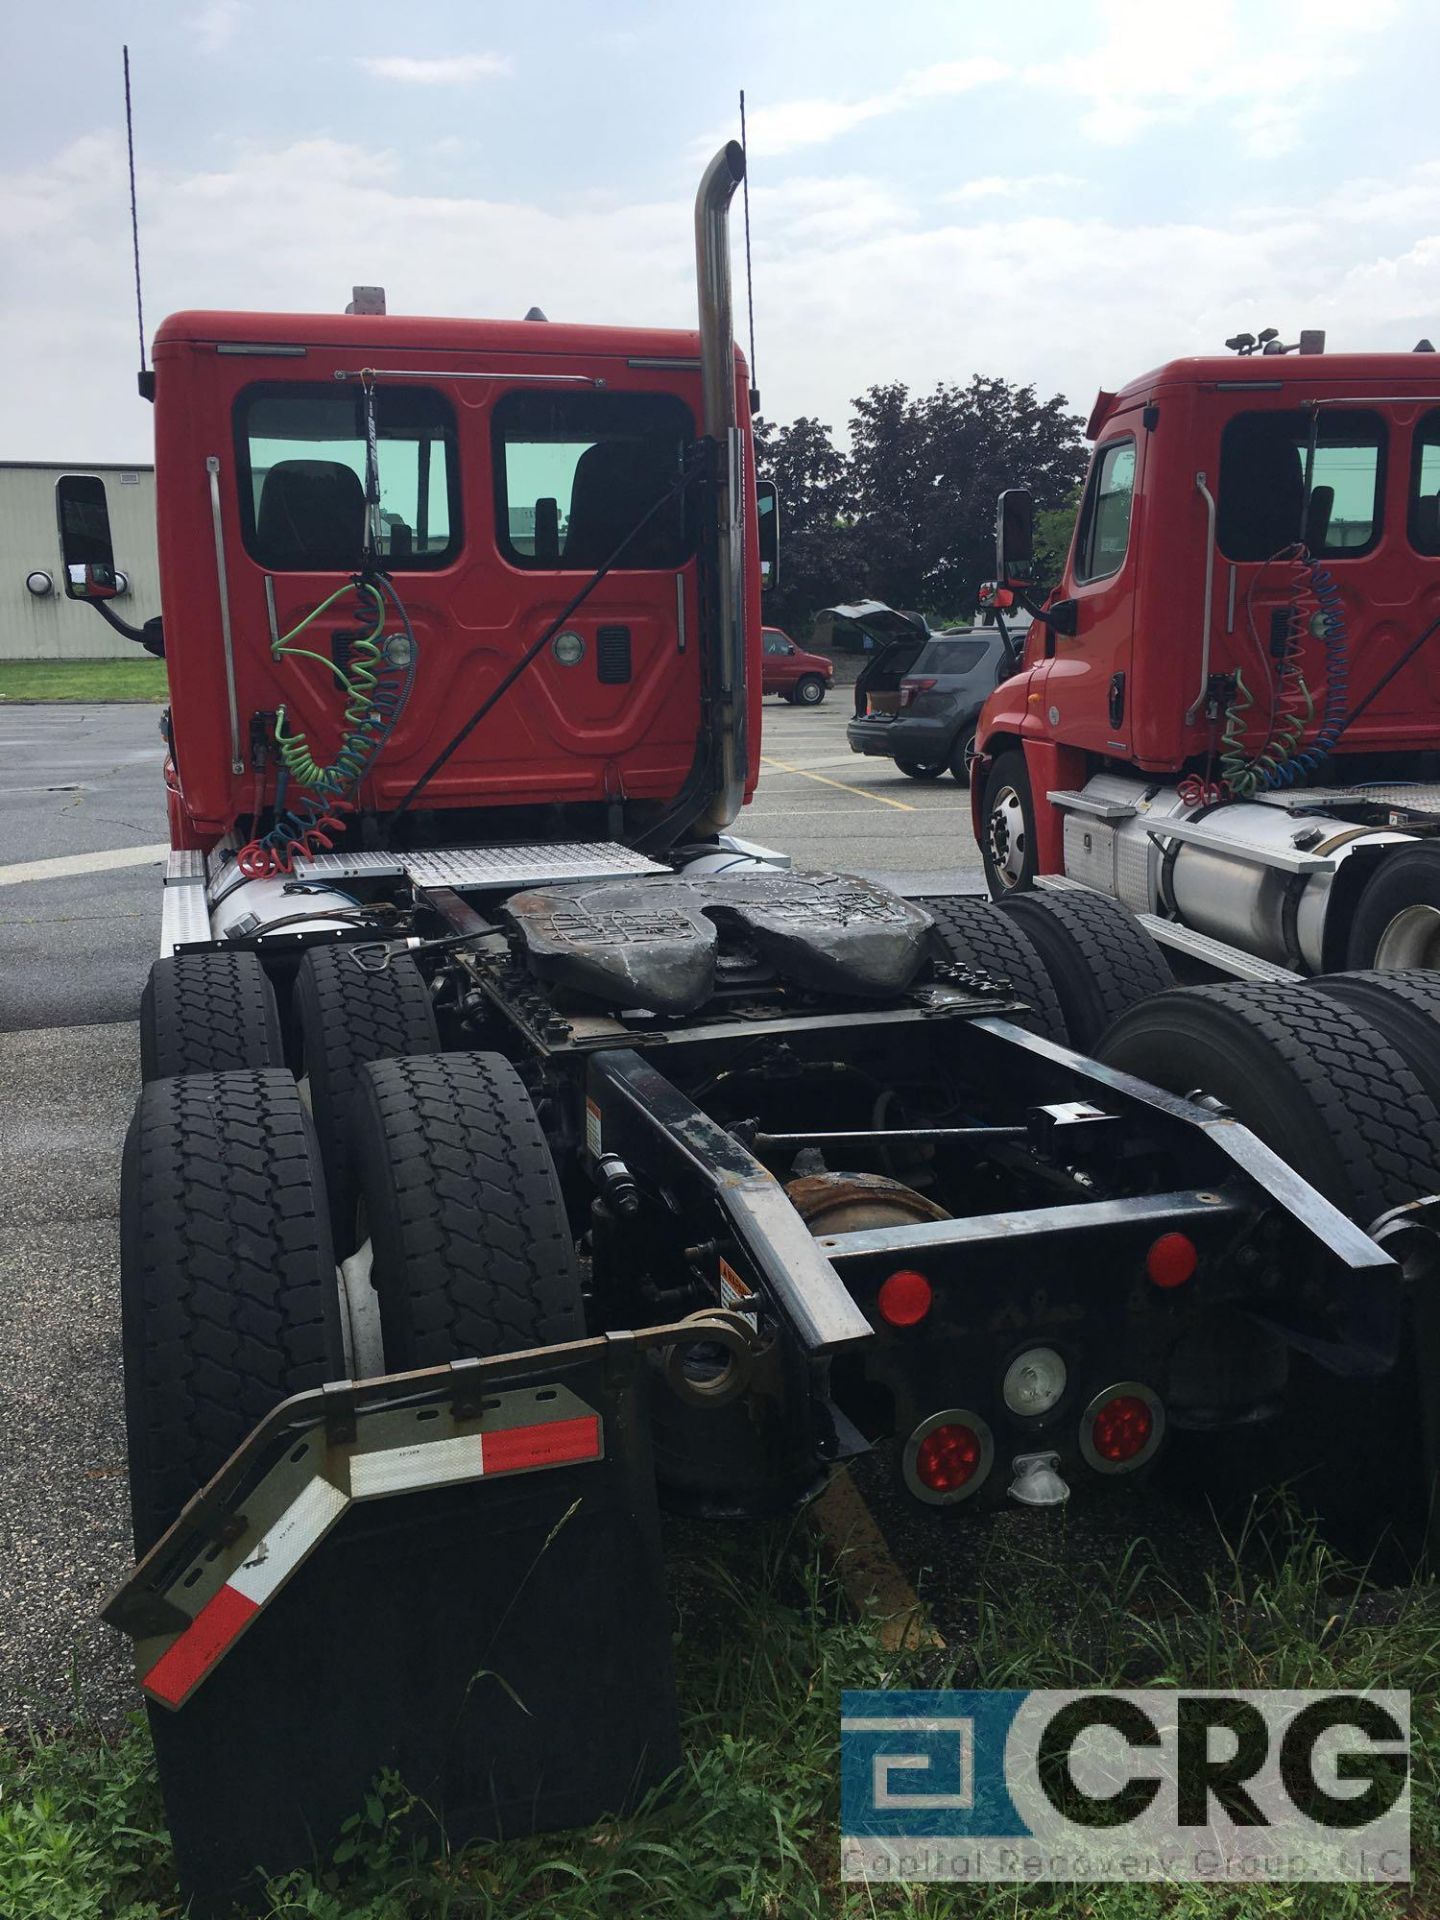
151	636
1060	618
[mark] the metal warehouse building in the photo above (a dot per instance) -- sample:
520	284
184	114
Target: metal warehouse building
37	622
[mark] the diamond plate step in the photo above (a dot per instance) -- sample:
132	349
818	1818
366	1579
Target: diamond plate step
515	866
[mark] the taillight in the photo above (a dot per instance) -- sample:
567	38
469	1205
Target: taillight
1121	1428
909	689
905	1298
1171	1260
948	1457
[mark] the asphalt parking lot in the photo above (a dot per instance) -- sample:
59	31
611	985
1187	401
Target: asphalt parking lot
79	923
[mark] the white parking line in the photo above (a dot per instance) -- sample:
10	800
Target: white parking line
67	864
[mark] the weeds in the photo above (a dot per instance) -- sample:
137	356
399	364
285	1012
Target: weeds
764	1649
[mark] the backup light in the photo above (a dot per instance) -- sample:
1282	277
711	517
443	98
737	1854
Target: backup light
905	1298
1034	1381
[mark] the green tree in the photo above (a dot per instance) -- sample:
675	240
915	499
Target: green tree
1054	527
928	472
816	520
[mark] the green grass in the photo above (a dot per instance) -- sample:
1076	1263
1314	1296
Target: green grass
765	1648
92	680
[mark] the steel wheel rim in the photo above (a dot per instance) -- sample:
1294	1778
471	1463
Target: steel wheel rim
1007	837
1412	939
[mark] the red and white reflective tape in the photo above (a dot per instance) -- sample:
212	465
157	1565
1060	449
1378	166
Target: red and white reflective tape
198	1648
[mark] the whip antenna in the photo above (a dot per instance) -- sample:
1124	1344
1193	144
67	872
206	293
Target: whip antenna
134	212
749	283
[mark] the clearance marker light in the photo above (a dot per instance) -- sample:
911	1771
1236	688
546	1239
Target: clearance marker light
905	1298
1171	1260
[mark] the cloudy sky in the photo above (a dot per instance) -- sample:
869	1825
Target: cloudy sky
1057	191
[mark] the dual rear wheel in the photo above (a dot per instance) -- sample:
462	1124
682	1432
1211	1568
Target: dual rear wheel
236	1199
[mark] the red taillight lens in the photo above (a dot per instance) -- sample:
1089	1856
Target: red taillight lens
948	1458
909	689
1171	1260
905	1298
1122	1428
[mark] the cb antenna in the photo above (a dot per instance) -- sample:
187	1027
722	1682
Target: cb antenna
134	212
749	282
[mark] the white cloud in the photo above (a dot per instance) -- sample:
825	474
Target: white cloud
452	70
853	285
998	186
1265	70
215	25
782	128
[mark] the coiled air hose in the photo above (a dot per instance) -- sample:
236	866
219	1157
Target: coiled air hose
377	678
1314	608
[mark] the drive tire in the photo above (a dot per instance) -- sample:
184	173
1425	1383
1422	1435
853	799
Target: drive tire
348	1015
208	1013
1397	917
1320	1083
809	691
1405	1006
1313	1078
473	1253
917	770
1100	959
227	1277
974	933
1007	842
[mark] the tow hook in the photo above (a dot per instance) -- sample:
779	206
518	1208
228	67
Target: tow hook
1037	1481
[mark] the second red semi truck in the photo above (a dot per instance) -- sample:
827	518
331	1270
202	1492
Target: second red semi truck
1228	717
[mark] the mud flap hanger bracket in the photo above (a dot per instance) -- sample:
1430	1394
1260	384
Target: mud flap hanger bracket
239	1541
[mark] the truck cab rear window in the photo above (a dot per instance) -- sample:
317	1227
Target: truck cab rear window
1262	504
301	450
1425	486
576	472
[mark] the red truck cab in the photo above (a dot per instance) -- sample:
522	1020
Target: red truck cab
513	456
1243	610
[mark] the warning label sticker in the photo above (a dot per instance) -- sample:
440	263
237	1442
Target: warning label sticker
592	1128
734	1290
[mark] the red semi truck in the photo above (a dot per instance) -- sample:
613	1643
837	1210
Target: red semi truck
518	1148
1229	716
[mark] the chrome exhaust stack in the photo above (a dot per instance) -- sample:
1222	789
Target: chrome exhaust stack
717	374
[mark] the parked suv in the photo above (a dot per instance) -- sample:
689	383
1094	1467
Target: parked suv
918	700
803	678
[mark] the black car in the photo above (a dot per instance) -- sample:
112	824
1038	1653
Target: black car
917	701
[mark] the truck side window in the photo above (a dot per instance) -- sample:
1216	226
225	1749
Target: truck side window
1105	517
1425	486
576	472
1262	483
301	454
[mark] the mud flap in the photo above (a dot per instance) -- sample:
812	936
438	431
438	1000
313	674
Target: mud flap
454	1576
